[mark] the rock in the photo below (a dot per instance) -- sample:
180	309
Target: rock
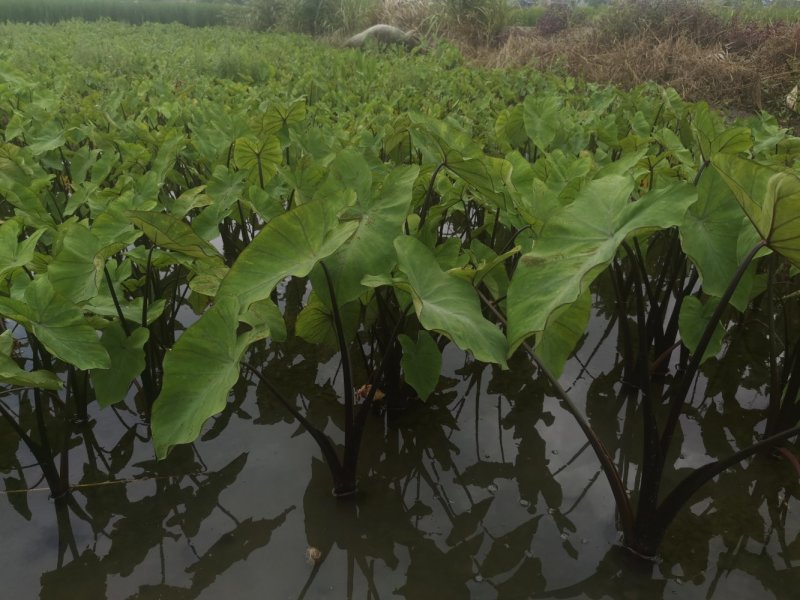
383	34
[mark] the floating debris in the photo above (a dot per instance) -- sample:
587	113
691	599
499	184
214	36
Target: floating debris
313	555
364	391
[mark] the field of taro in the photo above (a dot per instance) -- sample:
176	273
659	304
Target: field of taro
286	320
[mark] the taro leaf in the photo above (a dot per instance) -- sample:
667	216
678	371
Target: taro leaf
259	156
173	234
490	176
421	363
350	170
14	254
203	365
562	333
692	321
265	320
315	322
225	188
169	146
207	277
541	114
199	371
127	362
76	271
448	304
464	158
443	140
487	268
24	185
771	199
103	305
290	244
510	127
188	200
10	371
579	242
709	235
49	138
714	137
380	217
114	230
58	324
277	116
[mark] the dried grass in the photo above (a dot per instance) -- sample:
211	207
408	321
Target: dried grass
745	80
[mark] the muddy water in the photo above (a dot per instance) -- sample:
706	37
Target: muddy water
488	490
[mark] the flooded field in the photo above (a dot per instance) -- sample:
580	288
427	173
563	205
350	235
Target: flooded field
487	490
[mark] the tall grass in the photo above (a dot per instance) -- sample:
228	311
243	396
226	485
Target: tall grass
195	14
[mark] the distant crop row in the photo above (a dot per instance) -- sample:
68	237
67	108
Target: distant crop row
194	14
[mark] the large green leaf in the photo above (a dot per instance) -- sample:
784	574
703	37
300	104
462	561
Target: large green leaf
76	271
199	371
259	156
448	304
714	137
541	116
127	362
290	244
49	137
770	197
579	242
421	363
58	324
709	234
380	217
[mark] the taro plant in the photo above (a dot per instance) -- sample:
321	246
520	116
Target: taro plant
290	245
347	236
631	236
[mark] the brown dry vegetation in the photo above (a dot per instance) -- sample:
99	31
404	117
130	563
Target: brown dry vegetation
739	66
